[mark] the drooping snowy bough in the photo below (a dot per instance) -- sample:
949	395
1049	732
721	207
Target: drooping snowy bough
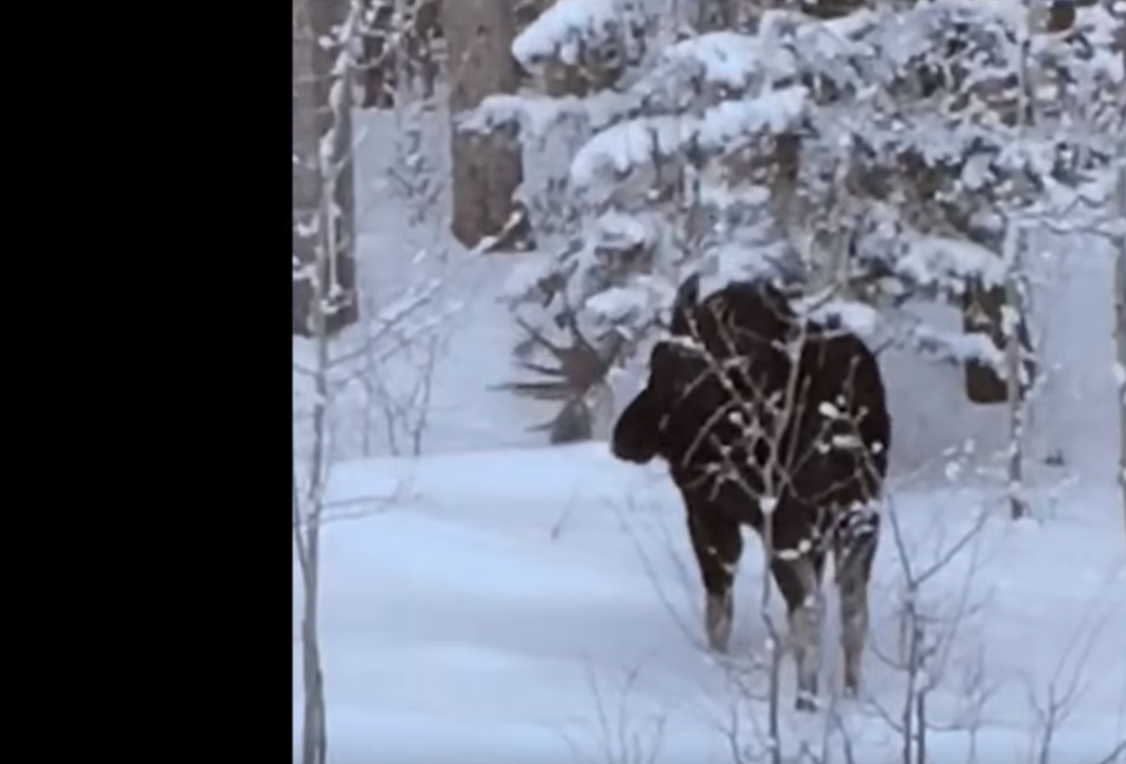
882	156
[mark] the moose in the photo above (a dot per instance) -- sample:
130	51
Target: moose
778	422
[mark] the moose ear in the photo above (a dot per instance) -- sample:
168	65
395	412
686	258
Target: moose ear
688	294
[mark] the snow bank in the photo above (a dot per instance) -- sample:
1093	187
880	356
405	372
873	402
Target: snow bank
520	600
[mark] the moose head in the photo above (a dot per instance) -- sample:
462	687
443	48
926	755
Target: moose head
682	386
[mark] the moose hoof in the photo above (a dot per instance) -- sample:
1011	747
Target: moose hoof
717	622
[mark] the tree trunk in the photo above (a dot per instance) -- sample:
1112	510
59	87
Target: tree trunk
1120	344
487	169
981	312
717	15
1015	392
1120	324
312	81
830	9
378	61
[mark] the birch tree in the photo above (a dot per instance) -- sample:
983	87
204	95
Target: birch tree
324	36
313	80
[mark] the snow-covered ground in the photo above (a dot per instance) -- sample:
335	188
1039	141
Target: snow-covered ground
543	604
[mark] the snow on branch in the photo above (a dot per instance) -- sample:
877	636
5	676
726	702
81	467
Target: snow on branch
569	27
936	140
774	113
821	46
857	317
926	28
787	46
958	347
630	144
727	59
624	306
538	115
638	142
939	261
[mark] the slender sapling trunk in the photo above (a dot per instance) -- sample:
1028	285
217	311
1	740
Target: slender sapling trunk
1011	320
1119	215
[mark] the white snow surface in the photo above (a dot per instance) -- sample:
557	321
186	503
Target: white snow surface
494	607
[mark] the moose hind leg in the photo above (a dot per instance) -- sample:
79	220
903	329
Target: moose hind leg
718	543
799	580
855	551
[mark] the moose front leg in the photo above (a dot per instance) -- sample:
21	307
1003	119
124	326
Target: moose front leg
799	579
718	543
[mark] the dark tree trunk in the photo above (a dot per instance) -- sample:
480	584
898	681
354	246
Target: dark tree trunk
379	62
716	15
981	312
312	65
487	169
401	48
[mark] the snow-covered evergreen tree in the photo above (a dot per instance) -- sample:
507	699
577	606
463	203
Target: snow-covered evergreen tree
885	155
